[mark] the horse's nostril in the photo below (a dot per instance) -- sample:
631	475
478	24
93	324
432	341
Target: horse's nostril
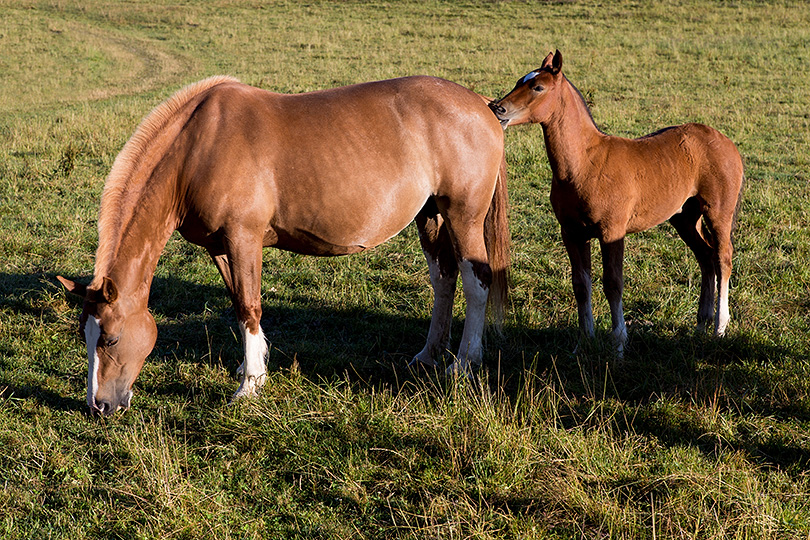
104	408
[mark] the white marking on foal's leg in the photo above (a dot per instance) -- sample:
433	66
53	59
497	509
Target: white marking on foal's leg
619	332
253	370
722	310
475	292
92	331
585	312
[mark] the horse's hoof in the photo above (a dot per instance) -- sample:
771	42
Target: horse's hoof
417	361
249	386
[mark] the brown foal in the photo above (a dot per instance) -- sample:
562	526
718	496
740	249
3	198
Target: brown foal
606	187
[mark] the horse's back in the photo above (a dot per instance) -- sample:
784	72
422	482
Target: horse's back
338	170
718	162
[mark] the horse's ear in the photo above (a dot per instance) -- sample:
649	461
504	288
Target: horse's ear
547	60
72	286
109	291
556	63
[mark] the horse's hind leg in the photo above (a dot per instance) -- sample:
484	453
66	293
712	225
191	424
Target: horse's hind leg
466	228
613	283
241	268
438	250
224	267
688	225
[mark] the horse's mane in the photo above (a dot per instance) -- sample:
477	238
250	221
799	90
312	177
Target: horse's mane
113	216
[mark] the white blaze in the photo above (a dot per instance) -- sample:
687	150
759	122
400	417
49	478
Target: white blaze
528	76
92	331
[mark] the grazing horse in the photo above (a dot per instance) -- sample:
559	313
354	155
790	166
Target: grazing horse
606	187
235	168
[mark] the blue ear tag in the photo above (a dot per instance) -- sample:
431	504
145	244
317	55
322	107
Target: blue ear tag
528	76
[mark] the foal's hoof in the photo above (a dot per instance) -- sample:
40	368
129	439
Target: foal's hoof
249	386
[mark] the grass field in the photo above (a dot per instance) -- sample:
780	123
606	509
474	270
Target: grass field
688	437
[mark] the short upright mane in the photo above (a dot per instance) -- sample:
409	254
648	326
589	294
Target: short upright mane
112	217
584	103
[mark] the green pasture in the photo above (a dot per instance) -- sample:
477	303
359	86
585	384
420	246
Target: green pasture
688	437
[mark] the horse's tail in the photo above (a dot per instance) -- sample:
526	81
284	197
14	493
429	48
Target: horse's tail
737	208
498	243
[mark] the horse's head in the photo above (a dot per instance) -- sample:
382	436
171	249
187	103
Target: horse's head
119	333
530	101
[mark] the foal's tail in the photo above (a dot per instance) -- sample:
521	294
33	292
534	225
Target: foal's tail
498	243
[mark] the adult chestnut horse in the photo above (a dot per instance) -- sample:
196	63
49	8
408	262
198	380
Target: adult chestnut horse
235	168
606	187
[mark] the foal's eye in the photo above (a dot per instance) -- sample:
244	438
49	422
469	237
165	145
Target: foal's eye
111	341
538	88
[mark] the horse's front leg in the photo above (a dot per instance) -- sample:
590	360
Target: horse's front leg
579	253
438	250
613	283
242	266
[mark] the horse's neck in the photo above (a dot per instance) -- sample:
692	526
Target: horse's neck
140	241
569	134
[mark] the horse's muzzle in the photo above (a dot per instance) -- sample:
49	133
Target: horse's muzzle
107	408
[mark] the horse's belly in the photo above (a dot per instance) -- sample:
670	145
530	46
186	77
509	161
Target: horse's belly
328	234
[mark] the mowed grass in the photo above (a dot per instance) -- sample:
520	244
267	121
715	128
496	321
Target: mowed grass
688	437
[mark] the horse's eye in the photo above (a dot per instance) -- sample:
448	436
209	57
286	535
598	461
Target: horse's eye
111	341
538	88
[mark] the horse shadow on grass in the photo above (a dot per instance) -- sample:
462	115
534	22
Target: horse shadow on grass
676	385
21	296
196	324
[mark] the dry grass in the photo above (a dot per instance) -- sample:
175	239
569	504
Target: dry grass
688	438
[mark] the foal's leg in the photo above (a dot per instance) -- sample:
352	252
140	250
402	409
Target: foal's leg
443	268
688	225
579	253
613	283
721	230
242	266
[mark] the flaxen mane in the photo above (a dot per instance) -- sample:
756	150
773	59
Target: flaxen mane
122	181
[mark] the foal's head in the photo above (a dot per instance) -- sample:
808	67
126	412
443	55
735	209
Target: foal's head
533	97
119	333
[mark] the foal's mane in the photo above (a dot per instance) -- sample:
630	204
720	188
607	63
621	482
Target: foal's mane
584	103
117	204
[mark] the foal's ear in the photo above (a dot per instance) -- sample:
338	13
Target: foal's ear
556	63
547	60
109	291
72	286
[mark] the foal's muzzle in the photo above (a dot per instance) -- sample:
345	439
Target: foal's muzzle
499	112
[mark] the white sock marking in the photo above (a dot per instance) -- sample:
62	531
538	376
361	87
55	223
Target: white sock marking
722	311
475	293
253	368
